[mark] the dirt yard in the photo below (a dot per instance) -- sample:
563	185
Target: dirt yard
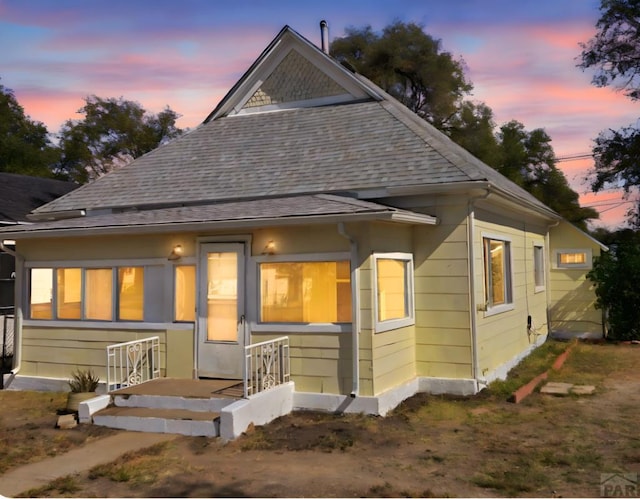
479	446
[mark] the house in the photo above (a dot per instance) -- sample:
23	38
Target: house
311	206
19	195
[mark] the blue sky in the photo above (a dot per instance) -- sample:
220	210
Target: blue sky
521	57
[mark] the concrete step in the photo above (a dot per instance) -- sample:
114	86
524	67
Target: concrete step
153	420
195	404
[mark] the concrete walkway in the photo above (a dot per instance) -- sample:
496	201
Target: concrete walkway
100	451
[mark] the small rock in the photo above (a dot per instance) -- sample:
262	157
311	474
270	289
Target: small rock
67	421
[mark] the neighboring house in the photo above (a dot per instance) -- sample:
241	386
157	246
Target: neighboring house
19	195
309	204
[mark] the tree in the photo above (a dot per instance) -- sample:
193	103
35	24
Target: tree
472	127
410	65
527	158
615	275
614	54
25	147
113	133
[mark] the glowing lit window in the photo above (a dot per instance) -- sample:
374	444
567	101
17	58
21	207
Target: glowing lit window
497	272
131	293
572	259
185	293
41	299
69	291
98	294
307	292
393	274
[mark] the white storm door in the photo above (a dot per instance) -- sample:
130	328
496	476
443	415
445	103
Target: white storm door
221	320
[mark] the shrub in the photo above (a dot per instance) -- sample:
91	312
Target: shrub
616	274
83	381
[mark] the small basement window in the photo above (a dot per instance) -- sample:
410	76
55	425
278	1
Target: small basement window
572	259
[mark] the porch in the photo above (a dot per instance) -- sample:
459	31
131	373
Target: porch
197	407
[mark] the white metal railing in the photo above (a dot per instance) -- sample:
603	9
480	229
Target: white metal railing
266	365
133	362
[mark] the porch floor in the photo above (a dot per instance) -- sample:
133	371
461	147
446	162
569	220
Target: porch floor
188	388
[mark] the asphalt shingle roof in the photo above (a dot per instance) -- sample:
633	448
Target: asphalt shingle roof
275	210
20	194
311	150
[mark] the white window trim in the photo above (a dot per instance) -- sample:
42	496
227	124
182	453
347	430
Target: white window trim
84	265
510	305
556	265
298	327
410	320
539	289
171	277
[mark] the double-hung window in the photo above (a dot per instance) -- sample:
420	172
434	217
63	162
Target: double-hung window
393	278
497	273
301	290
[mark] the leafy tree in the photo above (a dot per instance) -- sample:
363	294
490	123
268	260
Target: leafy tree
410	65
472	127
112	134
615	275
25	147
614	54
527	158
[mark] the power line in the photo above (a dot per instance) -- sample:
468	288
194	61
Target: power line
574	157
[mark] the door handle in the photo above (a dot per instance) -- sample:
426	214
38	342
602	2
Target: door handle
242	320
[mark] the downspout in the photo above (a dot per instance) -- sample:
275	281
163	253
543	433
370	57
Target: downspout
472	289
17	329
355	310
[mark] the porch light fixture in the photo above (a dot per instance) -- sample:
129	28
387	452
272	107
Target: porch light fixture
176	253
269	249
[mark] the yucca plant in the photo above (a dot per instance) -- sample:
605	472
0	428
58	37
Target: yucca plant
83	380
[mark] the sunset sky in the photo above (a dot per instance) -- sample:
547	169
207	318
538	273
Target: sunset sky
520	56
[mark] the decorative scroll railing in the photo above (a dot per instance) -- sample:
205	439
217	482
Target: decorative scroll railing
266	365
133	362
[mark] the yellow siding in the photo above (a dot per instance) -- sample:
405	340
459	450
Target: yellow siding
180	345
572	298
57	352
320	363
443	330
393	358
503	336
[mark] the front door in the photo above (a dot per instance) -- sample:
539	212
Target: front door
221	322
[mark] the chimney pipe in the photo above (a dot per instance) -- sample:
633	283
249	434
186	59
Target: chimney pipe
324	35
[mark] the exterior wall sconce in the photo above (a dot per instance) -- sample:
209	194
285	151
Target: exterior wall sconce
176	253
269	249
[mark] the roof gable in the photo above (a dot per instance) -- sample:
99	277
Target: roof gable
335	132
291	73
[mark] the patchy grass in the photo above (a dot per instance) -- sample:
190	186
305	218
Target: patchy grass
428	446
541	359
140	468
66	486
27	428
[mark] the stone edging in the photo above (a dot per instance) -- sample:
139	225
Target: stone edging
524	391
